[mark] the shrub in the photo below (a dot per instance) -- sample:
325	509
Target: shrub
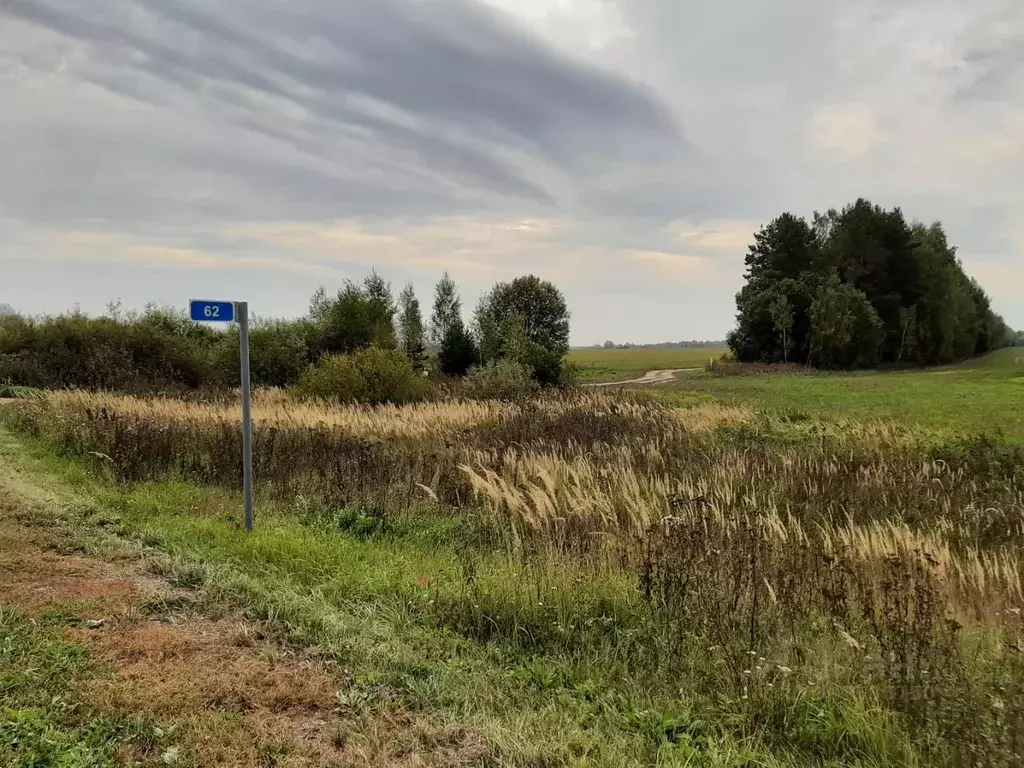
336	377
501	380
389	377
139	352
374	376
277	355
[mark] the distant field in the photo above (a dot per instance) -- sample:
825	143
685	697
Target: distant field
980	395
614	364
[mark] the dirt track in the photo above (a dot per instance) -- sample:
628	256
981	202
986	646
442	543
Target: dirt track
651	377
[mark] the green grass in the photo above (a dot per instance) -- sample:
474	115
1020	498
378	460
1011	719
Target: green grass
983	395
10	390
426	615
598	365
43	723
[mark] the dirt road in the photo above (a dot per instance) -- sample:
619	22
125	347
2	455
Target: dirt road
651	377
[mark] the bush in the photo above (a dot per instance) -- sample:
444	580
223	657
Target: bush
141	352
277	355
389	376
501	380
336	377
374	376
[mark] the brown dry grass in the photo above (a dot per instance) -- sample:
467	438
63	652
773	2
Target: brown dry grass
272	408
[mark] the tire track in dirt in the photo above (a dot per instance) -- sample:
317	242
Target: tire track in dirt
651	377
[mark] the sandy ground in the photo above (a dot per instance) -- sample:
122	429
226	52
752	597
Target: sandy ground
651	377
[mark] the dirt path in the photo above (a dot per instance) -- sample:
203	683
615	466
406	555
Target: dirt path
235	692
651	377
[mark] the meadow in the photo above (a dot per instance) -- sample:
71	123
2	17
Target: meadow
599	578
981	395
600	365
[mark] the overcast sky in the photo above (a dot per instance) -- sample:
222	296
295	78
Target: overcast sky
158	150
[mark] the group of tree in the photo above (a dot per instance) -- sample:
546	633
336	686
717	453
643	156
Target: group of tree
860	287
523	322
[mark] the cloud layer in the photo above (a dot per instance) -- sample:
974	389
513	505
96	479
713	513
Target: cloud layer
624	148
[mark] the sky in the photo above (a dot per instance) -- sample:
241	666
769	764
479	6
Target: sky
626	150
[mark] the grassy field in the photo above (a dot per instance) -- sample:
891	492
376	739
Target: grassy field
597	365
984	395
581	579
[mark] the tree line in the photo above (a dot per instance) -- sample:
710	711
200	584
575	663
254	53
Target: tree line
860	287
524	323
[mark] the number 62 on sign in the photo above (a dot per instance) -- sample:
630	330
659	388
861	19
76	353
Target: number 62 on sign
212	311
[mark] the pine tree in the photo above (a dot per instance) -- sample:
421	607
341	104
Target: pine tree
458	352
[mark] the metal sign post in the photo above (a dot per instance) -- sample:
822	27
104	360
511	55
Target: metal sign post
243	335
228	312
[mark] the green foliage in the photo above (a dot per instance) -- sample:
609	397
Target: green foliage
157	348
526	321
846	330
782	318
373	376
458	352
930	311
389	376
447	310
163	349
410	321
277	355
335	377
381	311
361	522
10	390
356	318
500	380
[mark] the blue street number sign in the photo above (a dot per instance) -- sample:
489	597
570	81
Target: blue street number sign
212	311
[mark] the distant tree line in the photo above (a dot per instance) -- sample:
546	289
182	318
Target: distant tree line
524	323
663	345
859	287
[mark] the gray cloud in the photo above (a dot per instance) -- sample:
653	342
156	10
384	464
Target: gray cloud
625	148
427	102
